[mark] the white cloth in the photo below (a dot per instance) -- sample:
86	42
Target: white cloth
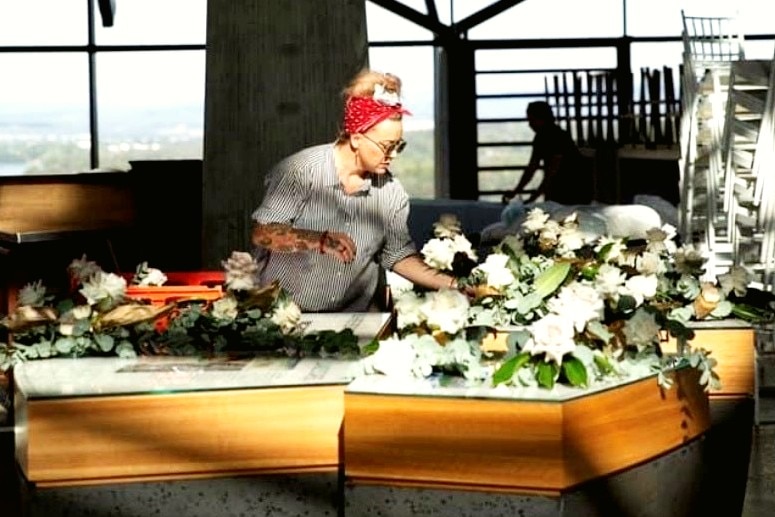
597	219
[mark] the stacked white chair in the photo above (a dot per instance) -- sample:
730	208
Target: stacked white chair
711	46
751	162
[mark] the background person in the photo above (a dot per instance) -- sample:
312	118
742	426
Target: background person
333	215
567	179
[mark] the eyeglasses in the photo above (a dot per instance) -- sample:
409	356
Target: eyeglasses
388	149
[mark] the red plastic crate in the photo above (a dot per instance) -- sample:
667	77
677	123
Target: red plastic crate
180	285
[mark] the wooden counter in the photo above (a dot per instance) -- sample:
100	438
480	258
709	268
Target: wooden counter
515	445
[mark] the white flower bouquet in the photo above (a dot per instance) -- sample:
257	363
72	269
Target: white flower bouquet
96	317
576	308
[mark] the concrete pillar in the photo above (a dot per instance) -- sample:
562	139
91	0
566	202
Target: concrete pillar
275	72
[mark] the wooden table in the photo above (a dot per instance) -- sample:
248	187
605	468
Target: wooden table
93	430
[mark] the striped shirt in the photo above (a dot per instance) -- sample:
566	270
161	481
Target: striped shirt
304	191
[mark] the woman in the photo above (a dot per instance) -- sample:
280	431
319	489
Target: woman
333	215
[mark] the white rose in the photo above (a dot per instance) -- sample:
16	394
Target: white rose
438	253
153	276
101	286
394	358
225	308
535	220
552	335
446	310
460	244
408	308
640	287
609	279
286	315
81	312
550	232
649	264
570	239
495	270
578	303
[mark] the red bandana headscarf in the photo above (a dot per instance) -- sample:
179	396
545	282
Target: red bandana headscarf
363	113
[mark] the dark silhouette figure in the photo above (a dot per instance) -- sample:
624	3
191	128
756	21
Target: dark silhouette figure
567	177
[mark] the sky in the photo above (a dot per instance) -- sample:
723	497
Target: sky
42	81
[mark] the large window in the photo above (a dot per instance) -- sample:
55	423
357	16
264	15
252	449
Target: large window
76	97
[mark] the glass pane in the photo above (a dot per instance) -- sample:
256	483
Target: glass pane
461	9
502	108
43	22
505	83
505	180
503	155
515	132
751	17
759	49
414	65
145	22
384	25
548	58
44	116
528	20
656	55
663	17
151	106
418	5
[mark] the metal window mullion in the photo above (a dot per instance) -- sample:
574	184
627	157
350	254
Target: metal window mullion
94	154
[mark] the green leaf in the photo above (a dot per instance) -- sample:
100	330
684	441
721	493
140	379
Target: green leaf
599	330
370	348
104	341
529	302
574	371
64	345
546	374
550	279
603	364
507	369
722	310
43	349
603	253
81	327
64	306
517	339
125	349
589	272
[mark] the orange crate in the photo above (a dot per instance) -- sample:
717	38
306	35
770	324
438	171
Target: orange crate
180	285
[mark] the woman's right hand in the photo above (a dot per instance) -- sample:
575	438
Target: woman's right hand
338	245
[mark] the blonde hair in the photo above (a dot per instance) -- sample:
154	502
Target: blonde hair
362	85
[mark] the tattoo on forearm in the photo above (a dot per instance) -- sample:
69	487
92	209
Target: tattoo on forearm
284	238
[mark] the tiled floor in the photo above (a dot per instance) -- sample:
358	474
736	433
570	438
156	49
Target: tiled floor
760	492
